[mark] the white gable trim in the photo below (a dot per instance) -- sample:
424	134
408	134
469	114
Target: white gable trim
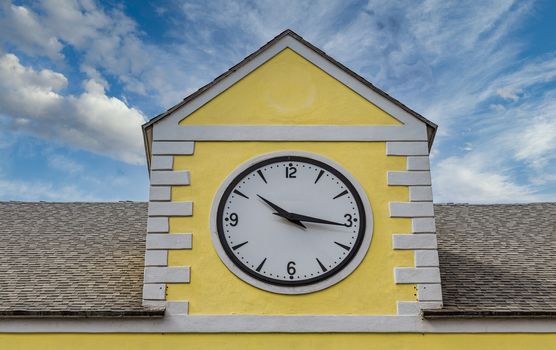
168	128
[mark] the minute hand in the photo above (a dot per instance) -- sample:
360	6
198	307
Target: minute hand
305	218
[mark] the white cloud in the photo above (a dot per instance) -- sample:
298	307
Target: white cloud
40	190
32	100
64	164
509	93
475	179
21	26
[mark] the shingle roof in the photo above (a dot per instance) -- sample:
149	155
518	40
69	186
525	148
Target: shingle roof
497	260
86	259
72	259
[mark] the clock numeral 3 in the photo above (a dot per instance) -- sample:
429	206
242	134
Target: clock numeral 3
291	268
234	219
349	220
290	172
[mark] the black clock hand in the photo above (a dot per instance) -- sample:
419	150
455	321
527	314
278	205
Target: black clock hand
305	218
281	212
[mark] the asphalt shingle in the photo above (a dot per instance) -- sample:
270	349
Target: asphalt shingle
86	259
72	259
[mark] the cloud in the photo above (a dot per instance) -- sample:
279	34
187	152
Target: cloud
473	179
20	26
40	190
509	93
32	101
64	164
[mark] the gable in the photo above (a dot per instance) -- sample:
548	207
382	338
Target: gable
288	89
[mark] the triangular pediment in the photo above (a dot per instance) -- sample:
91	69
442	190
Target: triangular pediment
289	89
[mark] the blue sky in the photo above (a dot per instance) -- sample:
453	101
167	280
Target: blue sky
78	78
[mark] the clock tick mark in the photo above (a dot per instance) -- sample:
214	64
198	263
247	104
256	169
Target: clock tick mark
344	192
319	176
321	265
261	175
343	246
260	265
240	245
240	194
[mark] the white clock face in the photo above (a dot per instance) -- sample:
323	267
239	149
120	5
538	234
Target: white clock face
290	221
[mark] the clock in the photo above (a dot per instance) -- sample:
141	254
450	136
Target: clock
291	222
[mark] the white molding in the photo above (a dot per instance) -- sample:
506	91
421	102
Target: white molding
170	208
407	149
154	291
279	324
416	275
156	258
165	177
409	178
169	241
162	163
408	308
173	274
429	292
289	133
413	241
420	225
420	193
411	209
415	308
173	148
157	224
176	308
160	193
418	163
426	258
346	271
163	129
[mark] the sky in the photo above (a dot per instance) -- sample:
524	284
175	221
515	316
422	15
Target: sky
79	78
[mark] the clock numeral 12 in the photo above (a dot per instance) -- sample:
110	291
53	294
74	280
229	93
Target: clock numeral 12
290	172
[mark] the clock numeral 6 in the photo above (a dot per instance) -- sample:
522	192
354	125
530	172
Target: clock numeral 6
291	268
290	172
349	222
234	219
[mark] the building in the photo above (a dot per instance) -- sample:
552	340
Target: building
290	205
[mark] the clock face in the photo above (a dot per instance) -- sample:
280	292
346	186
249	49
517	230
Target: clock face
290	220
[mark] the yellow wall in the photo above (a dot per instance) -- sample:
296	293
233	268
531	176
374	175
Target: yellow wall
277	341
288	89
215	290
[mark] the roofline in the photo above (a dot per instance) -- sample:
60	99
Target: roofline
431	130
145	313
437	314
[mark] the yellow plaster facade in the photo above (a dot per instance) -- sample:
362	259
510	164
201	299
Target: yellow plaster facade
278	341
215	290
288	89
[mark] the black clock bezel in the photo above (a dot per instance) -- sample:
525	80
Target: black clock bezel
333	271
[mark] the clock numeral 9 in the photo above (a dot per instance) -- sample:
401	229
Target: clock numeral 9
291	268
349	222
290	172
234	219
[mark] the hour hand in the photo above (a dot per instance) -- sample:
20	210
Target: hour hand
305	218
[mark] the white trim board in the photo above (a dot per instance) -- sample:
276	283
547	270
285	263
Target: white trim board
163	127
278	324
289	133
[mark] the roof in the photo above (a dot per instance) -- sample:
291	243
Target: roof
497	260
86	259
72	259
431	127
